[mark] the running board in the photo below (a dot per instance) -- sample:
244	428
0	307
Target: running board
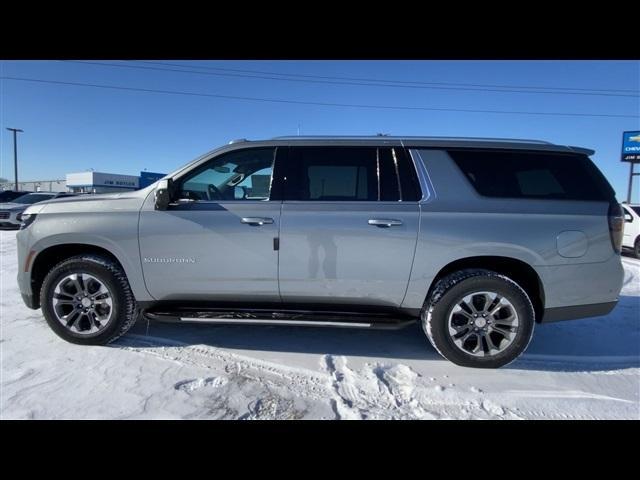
290	318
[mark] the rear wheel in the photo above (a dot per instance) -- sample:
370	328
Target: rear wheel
636	248
87	300
478	318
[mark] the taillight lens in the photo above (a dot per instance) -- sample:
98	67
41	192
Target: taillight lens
616	225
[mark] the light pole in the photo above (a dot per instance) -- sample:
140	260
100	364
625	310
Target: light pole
15	154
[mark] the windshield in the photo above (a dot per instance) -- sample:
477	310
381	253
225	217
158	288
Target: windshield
31	198
636	209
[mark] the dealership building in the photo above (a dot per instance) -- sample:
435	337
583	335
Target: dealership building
99	182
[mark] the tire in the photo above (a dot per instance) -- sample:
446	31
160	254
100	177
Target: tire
448	296
117	300
636	248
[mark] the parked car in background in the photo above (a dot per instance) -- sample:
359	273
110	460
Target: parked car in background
478	240
10	195
11	211
631	238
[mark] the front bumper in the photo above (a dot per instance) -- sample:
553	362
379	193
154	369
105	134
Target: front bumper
10	221
24	274
29	301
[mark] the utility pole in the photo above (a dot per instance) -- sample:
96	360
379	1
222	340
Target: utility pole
630	182
15	154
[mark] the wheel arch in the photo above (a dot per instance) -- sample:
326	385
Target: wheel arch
520	272
48	258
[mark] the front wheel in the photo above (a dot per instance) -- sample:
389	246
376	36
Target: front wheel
87	300
478	318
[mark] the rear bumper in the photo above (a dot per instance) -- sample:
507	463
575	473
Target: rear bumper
575	312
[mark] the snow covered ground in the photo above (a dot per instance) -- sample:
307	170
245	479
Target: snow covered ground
587	369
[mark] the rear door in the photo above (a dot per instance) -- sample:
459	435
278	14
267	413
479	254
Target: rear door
349	225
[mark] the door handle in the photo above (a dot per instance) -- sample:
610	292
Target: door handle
384	222
256	220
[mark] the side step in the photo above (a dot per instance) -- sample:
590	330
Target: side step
289	317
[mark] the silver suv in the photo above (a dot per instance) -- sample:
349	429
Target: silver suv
476	239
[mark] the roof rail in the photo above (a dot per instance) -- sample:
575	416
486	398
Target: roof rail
408	137
238	140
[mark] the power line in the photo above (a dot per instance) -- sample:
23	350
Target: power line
322	104
540	87
352	83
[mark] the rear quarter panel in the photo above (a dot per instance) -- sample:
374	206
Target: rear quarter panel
457	222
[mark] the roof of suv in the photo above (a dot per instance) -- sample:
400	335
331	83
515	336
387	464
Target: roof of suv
406	141
442	142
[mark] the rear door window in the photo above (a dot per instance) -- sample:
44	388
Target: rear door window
542	175
353	174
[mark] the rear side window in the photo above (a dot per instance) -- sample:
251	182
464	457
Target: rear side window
348	174
542	175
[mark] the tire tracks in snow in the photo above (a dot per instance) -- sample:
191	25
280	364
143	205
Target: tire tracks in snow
382	391
300	381
375	391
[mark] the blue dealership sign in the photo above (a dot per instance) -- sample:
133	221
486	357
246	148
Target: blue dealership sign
631	147
147	178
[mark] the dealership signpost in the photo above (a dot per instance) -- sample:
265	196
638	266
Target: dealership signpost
631	154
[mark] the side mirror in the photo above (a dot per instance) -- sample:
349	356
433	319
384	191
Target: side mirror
163	194
628	218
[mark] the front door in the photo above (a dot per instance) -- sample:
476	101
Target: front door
216	242
349	226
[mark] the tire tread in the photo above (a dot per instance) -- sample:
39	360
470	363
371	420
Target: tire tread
132	312
453	279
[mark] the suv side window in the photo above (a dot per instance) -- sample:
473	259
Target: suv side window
352	174
238	175
539	175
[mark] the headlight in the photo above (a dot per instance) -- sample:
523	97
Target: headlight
25	219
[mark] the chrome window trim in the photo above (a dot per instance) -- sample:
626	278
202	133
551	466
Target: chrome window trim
219	202
350	202
423	176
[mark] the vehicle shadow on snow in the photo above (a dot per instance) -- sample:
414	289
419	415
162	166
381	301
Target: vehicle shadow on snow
597	344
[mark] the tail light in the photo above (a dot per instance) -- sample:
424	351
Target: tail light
616	225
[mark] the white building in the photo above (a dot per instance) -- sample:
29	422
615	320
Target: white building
98	182
37	186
